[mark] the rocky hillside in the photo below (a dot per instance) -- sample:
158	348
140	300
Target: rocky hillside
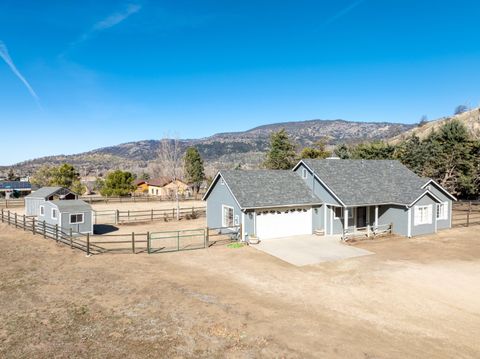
221	150
471	119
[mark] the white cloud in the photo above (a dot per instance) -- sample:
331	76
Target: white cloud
8	60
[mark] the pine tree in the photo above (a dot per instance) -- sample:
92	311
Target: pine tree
117	183
281	155
194	170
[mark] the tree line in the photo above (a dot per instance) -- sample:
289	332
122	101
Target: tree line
449	155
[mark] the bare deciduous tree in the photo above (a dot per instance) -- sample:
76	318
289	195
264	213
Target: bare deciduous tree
169	163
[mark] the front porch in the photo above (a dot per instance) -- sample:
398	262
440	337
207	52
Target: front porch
363	222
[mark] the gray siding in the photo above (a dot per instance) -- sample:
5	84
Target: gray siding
248	224
317	217
220	195
398	215
424	228
32	206
63	219
442	223
318	189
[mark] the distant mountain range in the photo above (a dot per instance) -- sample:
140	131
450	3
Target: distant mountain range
222	150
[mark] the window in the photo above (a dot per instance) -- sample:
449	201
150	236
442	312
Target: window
76	218
227	216
339	213
54	213
422	215
442	210
304	173
42	210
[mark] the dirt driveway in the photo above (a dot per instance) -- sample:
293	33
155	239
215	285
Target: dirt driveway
416	298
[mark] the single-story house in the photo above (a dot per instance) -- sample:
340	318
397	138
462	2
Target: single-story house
166	187
331	197
74	214
15	188
141	186
40	196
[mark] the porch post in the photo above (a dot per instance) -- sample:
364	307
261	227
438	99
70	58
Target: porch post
325	208
345	219
376	217
368	220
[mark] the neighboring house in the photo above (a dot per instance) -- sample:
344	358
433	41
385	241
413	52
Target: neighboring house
141	186
40	196
167	187
15	188
74	214
348	196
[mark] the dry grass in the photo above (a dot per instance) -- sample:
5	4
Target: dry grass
416	298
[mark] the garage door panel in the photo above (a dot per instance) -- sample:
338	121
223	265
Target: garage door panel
283	224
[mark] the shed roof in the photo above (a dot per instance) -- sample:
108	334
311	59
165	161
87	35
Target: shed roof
44	192
267	188
75	205
364	182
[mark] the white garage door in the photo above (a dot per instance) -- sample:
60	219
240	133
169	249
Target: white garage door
284	223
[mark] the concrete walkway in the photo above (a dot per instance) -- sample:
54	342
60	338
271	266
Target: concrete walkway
309	249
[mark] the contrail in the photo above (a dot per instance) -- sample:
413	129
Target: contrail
110	21
343	12
6	57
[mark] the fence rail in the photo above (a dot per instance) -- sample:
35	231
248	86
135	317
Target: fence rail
466	213
367	232
155	242
122	216
20	202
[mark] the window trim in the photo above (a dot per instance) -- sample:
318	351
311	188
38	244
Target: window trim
342	211
76	214
444	206
224	224
54	210
42	210
427	219
304	173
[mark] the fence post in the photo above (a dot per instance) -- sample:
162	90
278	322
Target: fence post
178	240
148	242
88	244
173	213
24	223
34	230
128	215
71	239
133	242
469	212
44	230
2	215
151	216
56	232
8	218
206	237
15	219
117	217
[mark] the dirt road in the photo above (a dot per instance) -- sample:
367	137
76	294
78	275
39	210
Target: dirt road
416	298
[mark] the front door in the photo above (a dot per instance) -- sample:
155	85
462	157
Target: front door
361	217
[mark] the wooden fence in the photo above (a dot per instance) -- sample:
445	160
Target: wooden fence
466	213
119	217
149	242
20	202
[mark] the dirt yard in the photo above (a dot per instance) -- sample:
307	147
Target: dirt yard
416	298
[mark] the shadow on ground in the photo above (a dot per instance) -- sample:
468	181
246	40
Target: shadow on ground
104	228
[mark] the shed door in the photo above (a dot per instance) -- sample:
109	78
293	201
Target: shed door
286	223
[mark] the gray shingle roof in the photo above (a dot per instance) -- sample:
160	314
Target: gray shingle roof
268	188
44	192
72	205
358	182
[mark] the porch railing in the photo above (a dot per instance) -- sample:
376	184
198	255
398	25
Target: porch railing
367	232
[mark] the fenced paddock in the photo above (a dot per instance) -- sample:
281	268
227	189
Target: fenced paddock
151	215
146	242
466	213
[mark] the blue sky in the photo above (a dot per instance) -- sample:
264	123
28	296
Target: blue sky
75	76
